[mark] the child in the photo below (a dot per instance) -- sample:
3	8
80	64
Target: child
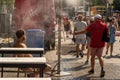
112	37
20	43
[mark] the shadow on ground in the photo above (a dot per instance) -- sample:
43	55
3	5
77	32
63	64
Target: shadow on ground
114	56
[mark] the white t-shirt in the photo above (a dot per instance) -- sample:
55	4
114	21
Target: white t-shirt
80	26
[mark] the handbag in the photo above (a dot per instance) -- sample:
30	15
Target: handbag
105	36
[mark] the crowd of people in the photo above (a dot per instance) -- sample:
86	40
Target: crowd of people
88	32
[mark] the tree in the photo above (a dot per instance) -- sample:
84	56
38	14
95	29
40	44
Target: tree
97	2
6	9
116	4
9	4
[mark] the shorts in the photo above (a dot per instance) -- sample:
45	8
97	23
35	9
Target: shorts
80	41
96	51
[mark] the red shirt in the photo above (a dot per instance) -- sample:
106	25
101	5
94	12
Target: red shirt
96	30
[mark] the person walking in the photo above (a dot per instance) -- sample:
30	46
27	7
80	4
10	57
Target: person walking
80	38
67	26
112	37
88	42
96	29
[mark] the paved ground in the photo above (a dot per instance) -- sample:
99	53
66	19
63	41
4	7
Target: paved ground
76	67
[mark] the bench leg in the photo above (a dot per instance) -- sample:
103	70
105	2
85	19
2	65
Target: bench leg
1	71
41	72
18	72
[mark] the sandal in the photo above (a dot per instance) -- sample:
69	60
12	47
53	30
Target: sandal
86	62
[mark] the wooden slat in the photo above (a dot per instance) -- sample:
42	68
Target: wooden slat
35	62
22	49
33	49
10	50
25	78
22	60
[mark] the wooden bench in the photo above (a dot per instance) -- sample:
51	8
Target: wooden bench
23	62
9	50
21	50
25	78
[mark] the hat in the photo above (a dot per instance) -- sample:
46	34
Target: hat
98	16
80	16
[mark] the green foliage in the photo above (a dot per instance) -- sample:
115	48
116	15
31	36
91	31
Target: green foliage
97	2
116	4
9	4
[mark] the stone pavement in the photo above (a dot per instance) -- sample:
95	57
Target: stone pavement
76	66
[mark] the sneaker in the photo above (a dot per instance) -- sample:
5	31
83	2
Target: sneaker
77	56
102	74
111	55
91	71
86	62
81	54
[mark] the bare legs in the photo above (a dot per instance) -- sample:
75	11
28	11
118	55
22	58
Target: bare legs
111	48
81	50
77	50
98	52
67	34
88	55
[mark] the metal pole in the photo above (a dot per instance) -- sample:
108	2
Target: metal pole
111	9
59	72
59	38
107	6
89	8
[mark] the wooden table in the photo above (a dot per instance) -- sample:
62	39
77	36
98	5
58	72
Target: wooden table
23	62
